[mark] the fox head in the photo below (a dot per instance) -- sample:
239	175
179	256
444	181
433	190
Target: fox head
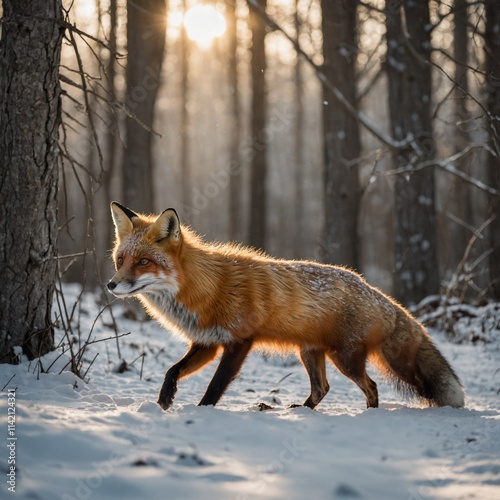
146	252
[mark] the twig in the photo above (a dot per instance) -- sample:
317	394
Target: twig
282	379
8	382
90	365
464	224
446	165
94	342
70	255
86	98
70	27
142	365
459	271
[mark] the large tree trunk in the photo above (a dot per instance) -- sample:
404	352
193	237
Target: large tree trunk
459	196
416	274
235	180
341	134
298	240
187	176
29	120
258	176
110	136
146	25
492	46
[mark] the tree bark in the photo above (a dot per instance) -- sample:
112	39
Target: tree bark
187	180
492	47
146	26
111	145
258	175
298	144
341	134
235	180
459	203
30	50
408	44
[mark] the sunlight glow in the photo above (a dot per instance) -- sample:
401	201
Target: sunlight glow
86	10
203	24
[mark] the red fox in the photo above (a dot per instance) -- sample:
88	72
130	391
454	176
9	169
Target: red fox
224	297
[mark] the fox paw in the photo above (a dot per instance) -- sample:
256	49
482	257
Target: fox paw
165	403
295	405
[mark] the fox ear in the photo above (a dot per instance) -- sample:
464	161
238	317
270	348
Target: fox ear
167	225
122	218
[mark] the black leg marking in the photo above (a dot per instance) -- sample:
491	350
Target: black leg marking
230	364
194	359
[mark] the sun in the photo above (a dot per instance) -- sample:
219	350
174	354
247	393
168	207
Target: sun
203	24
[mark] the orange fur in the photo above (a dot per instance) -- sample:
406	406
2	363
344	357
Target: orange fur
226	294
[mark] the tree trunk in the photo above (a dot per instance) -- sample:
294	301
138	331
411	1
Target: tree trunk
146	26
30	50
258	175
459	196
110	147
341	134
416	274
298	144
492	47
185	165
235	180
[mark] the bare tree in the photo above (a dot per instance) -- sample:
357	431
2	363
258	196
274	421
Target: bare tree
492	47
235	181
110	136
298	141
146	25
459	207
184	125
408	44
258	175
30	49
341	133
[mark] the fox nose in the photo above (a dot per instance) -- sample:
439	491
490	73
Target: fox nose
111	286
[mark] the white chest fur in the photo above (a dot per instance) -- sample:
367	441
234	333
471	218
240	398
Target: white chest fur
174	315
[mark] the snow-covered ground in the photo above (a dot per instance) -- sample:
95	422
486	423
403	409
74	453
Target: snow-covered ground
108	439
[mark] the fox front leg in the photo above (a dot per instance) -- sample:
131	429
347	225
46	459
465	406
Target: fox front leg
230	364
197	357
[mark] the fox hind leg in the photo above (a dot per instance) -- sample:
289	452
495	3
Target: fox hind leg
314	363
352	364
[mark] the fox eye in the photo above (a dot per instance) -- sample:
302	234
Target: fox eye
144	262
119	261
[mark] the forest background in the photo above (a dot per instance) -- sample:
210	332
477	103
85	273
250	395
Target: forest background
236	130
360	133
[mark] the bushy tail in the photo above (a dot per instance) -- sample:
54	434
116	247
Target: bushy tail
439	384
412	361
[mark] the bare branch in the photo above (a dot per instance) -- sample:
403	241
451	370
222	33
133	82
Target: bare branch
447	165
367	122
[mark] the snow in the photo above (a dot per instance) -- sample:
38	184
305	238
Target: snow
108	439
